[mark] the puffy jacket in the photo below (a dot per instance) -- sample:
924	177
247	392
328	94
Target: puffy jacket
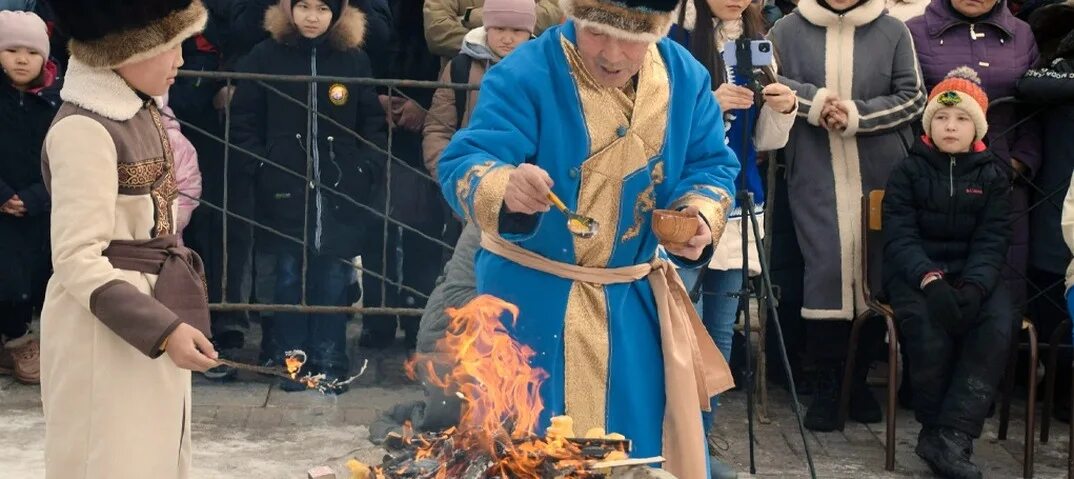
281	129
187	174
25	117
946	213
446	22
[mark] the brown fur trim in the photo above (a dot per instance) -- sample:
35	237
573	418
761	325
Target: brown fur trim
118	49
348	33
620	22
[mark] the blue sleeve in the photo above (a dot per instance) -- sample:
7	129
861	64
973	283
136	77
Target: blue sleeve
710	168
501	135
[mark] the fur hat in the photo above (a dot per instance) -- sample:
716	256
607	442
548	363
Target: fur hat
961	88
113	33
638	20
23	29
1053	28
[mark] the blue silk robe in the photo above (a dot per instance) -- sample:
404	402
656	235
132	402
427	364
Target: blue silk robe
614	156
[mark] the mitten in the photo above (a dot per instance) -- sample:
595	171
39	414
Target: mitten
941	300
969	301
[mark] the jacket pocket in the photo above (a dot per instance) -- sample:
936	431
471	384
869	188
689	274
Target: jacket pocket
281	185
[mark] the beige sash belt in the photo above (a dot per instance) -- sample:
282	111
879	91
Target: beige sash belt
694	369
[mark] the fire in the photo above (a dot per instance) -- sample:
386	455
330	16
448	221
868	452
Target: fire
491	373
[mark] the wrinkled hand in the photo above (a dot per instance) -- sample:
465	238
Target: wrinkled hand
190	349
411	116
780	98
527	190
14	207
695	246
733	97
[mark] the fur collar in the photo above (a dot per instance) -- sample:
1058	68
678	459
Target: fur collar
865	13
348	32
725	31
689	18
100	90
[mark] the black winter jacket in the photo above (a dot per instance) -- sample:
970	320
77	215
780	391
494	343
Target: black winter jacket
24	242
1052	87
279	129
946	213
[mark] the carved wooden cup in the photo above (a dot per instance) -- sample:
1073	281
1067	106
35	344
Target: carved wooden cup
674	227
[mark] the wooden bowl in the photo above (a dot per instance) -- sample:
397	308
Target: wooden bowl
674	227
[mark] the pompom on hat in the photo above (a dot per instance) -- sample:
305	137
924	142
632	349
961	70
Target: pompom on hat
113	33
636	20
961	89
23	29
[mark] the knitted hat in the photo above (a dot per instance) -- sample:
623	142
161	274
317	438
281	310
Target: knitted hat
637	20
517	14
23	29
113	33
960	89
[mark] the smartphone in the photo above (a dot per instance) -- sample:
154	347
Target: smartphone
760	52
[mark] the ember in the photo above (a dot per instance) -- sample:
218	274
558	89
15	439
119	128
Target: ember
294	360
501	406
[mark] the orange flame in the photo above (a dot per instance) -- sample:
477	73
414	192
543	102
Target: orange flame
500	390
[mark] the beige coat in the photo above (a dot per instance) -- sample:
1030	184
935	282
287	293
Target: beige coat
445	28
1067	224
441	122
111	410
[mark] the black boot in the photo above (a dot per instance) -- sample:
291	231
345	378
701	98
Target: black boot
947	452
823	412
863	405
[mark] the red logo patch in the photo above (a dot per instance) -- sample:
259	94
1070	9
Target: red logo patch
974	191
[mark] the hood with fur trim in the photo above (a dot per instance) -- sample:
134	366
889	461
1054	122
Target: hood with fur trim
347	33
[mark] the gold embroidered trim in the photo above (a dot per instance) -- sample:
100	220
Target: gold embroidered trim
586	348
136	178
625	133
646	202
465	186
715	211
164	190
489	197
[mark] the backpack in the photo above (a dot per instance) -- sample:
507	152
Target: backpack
460	73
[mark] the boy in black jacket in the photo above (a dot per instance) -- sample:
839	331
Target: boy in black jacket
946	230
317	169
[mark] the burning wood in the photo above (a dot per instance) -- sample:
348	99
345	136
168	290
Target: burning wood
495	437
293	362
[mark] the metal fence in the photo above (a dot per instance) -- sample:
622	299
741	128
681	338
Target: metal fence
392	164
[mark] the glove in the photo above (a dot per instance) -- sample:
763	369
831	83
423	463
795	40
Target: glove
969	302
941	300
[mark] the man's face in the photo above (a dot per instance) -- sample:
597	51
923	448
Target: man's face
611	61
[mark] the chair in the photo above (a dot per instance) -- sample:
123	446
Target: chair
1049	378
871	227
1031	398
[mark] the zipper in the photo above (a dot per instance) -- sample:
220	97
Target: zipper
951	176
332	158
318	197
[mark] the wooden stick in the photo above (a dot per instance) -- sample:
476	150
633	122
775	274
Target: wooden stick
257	369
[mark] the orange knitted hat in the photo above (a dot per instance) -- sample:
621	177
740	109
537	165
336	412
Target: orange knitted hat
960	89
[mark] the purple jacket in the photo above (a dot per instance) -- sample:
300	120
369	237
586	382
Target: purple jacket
1001	48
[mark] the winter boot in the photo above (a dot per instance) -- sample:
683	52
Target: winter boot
863	405
823	412
26	355
947	452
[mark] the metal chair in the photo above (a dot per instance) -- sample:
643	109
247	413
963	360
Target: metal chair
1031	398
871	227
1049	378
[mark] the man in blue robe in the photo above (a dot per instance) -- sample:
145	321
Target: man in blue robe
617	121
